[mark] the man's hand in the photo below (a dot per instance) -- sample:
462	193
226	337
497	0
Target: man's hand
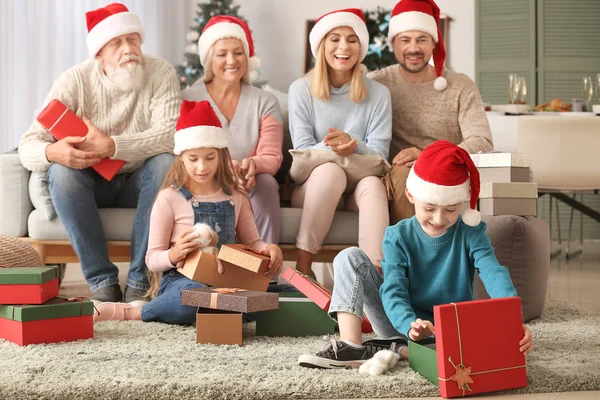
407	157
66	152
420	329
340	142
248	173
97	141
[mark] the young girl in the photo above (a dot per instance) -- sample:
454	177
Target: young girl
337	108
199	187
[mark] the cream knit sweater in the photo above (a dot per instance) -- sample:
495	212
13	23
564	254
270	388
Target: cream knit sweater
142	122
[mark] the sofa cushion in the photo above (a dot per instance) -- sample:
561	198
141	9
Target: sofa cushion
118	223
356	166
40	194
522	244
15	205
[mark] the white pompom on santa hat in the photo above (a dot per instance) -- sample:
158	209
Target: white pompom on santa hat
106	23
445	175
350	17
223	27
198	126
421	15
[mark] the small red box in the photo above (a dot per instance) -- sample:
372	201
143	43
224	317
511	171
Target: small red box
479	341
28	285
58	320
62	122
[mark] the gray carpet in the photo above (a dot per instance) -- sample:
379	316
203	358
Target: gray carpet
135	360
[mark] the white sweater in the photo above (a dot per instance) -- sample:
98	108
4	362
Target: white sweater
142	122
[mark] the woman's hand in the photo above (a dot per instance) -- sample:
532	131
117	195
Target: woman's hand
183	246
340	142
248	173
276	263
527	342
420	329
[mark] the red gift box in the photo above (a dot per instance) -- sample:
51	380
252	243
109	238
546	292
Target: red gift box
27	285
58	320
62	122
318	293
477	344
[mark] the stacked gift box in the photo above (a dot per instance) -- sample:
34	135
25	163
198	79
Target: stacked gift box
31	311
505	187
467	359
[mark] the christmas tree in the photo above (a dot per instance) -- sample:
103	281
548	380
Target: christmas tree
380	55
190	70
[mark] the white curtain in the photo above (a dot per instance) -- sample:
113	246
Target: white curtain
39	39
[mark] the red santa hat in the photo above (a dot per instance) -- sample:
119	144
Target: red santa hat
222	27
444	175
106	23
351	17
198	126
421	15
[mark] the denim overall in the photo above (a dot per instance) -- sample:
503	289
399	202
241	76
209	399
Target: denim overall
167	307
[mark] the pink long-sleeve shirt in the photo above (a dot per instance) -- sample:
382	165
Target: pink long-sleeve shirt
256	128
172	215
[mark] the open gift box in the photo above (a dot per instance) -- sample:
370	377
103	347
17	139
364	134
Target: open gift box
477	348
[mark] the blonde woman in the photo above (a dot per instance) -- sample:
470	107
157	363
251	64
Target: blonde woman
251	115
335	107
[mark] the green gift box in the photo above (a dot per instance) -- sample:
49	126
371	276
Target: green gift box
26	275
297	316
28	285
55	308
423	359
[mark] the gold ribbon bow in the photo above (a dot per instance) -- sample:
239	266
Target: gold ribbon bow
462	375
215	296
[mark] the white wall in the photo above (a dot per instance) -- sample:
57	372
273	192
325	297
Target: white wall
278	28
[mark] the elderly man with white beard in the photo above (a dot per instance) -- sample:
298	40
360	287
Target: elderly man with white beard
130	103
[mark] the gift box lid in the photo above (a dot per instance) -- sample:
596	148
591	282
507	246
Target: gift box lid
520	190
58	307
27	275
245	257
309	287
230	299
477	344
495	160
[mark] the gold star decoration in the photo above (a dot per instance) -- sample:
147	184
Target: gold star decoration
462	376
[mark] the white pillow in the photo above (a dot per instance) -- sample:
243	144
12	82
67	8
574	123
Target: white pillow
40	194
356	166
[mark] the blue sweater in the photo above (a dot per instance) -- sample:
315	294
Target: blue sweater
369	122
422	271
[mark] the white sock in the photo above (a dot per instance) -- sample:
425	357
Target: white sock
356	346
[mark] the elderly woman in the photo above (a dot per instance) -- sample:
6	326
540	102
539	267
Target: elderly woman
251	115
336	107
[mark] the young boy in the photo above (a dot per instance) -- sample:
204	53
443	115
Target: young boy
429	259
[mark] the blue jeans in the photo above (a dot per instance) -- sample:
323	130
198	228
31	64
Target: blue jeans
356	290
77	195
167	307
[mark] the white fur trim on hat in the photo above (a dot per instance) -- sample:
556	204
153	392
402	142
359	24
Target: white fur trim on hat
437	194
412	21
220	31
440	84
335	20
196	137
109	28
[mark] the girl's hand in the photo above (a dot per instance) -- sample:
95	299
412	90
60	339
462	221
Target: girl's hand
276	263
248	173
183	246
527	342
420	329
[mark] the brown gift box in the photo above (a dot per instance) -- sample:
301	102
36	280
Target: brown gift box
202	267
245	257
218	327
230	299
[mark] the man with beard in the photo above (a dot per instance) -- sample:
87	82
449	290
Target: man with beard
428	103
130	103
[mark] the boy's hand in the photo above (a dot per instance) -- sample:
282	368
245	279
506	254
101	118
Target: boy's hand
420	329
527	342
276	263
183	246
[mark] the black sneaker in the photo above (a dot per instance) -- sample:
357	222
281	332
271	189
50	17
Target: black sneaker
335	354
111	293
394	344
